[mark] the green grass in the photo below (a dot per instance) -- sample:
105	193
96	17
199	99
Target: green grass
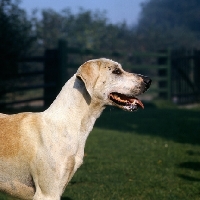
152	154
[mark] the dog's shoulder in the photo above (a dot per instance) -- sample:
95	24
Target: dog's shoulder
14	132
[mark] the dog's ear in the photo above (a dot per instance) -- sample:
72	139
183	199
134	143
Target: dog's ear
89	73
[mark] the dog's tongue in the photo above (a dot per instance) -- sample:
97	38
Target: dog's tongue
137	102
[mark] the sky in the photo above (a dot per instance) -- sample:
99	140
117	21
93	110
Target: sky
116	10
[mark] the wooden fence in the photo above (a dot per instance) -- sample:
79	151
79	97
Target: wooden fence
185	66
174	74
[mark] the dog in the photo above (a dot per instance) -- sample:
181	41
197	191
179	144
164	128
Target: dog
40	152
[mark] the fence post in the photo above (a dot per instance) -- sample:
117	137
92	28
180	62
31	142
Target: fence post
169	80
62	64
164	74
196	74
51	76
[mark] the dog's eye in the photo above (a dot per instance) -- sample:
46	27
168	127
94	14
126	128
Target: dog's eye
117	71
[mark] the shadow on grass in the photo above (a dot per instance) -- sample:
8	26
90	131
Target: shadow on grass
195	166
193	153
188	178
179	125
65	198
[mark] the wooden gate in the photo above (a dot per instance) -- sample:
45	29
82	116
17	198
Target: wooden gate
185	65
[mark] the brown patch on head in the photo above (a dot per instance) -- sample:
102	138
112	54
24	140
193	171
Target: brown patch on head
89	73
86	71
10	135
99	63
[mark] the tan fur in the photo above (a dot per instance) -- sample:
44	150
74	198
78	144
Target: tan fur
40	152
10	135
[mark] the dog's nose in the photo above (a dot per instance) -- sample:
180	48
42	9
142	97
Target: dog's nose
146	80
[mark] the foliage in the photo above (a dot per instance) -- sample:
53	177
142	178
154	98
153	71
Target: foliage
86	29
15	35
169	23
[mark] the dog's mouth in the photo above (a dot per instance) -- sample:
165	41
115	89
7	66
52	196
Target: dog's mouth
129	103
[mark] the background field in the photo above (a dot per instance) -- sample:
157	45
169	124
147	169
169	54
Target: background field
151	154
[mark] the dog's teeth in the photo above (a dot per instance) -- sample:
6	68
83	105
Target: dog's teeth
132	103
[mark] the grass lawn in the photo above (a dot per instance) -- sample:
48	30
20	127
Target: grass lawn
150	154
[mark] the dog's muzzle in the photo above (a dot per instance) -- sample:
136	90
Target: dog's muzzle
129	102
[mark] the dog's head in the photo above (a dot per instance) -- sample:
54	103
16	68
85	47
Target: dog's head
105	80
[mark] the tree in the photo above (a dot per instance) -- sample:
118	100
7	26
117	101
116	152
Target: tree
15	36
86	29
169	23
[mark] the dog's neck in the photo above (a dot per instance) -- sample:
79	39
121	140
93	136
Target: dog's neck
74	108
